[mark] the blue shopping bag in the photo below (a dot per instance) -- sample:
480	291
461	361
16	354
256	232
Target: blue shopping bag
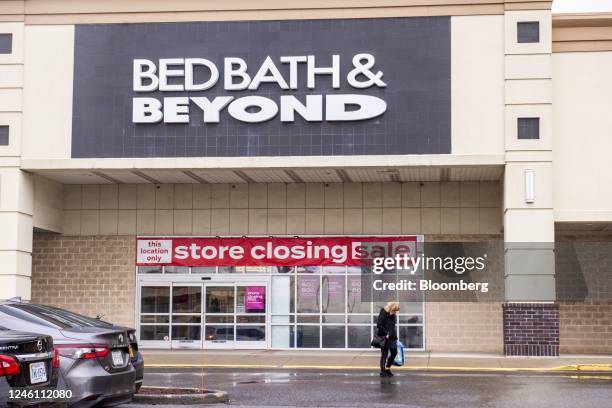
399	358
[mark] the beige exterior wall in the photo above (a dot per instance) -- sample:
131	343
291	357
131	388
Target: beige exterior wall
48	92
464	327
585	327
88	275
582	128
48	204
278	208
477	89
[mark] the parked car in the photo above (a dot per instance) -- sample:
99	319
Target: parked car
28	363
136	358
99	362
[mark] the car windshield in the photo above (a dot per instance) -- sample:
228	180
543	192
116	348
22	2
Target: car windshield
61	317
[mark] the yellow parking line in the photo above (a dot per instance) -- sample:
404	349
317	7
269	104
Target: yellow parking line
588	377
211	366
581	367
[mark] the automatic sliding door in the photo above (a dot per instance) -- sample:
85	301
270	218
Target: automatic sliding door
219	316
251	315
186	315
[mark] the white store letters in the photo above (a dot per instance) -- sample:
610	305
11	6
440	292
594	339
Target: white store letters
177	75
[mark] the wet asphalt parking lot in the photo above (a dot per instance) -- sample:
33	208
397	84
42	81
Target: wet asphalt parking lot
329	388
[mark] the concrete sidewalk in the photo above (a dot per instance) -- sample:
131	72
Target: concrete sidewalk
342	360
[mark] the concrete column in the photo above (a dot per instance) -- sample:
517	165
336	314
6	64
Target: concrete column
16	229
16	187
528	194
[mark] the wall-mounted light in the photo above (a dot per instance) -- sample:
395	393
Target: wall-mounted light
529	186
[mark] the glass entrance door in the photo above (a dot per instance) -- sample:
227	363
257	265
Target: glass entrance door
235	315
219	316
224	314
186	315
251	316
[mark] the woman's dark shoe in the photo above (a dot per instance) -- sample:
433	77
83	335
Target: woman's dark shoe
384	374
389	373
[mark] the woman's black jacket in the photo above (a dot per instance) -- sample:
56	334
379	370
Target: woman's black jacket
386	325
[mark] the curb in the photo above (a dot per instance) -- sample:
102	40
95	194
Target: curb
566	368
210	397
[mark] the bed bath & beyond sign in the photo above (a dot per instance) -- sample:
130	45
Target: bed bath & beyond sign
178	75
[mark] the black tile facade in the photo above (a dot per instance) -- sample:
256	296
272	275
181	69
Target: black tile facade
413	53
528	32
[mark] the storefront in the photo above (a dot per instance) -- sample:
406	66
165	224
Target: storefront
282	306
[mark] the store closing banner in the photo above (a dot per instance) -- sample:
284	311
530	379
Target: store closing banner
270	251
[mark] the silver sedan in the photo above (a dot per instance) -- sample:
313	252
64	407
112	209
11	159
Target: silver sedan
96	357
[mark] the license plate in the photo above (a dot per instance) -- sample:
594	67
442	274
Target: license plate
38	373
117	357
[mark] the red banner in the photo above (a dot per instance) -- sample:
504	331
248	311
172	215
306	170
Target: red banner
270	251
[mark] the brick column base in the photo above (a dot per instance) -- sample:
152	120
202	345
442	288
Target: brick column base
531	329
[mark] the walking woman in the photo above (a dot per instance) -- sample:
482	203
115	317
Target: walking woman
385	326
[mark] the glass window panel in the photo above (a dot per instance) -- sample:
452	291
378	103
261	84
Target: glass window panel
149	269
410	319
231	269
410	298
333	294
220	333
282	319
176	269
282	294
308	336
186	332
250	319
377	306
411	336
155	299
332	318
308	294
154	319
282	269
359	319
308	269
219	319
250	333
411	307
334	269
256	269
353	294
154	333
203	269
308	319
359	336
186	299
354	269
333	337
185	319
251	299
283	337
219	299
